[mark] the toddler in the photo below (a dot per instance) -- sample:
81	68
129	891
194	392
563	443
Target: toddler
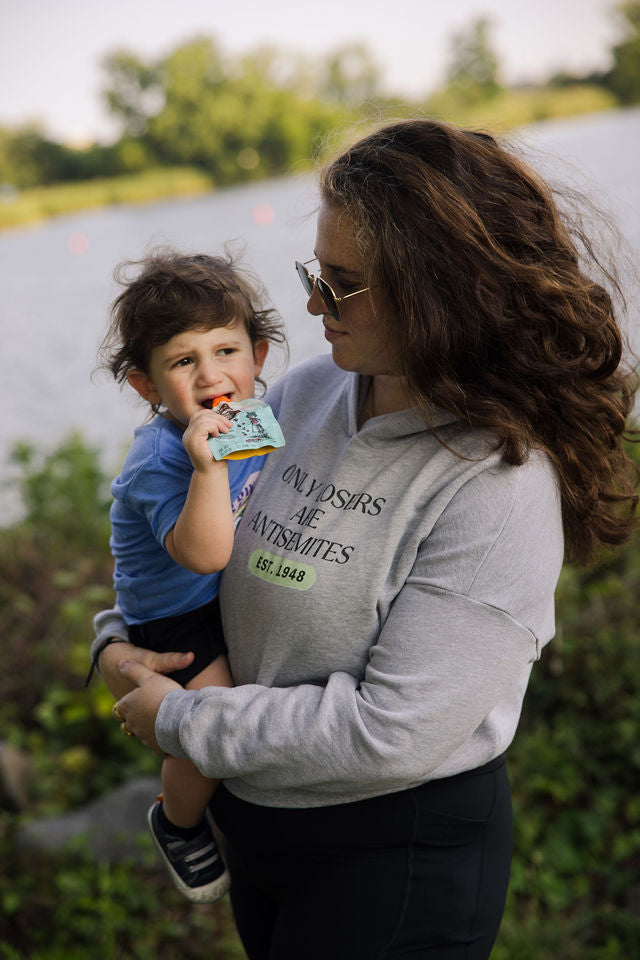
184	330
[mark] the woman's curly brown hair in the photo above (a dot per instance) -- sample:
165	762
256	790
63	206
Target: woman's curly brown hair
494	314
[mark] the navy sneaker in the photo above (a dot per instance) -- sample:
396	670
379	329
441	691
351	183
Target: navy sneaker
196	866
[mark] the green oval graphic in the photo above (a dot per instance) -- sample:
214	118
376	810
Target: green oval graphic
285	573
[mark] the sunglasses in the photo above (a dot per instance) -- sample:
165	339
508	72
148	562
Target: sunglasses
309	281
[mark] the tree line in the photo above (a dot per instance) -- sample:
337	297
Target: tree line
264	113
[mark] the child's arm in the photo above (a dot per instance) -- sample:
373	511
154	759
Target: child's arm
202	537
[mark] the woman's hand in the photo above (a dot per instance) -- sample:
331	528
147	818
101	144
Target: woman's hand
114	653
139	708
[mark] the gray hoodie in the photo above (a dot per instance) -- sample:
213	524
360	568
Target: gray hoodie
383	606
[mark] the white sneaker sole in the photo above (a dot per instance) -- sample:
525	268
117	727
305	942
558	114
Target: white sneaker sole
208	893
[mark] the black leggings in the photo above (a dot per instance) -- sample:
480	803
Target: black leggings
420	874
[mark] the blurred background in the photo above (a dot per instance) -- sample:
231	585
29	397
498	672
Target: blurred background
129	125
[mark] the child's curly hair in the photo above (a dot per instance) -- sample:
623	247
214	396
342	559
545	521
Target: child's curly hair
173	292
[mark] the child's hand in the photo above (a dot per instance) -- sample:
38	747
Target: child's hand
203	424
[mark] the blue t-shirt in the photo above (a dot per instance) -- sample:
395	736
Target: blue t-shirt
148	497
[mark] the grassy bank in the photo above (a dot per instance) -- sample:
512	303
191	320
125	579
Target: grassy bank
508	109
41	203
521	107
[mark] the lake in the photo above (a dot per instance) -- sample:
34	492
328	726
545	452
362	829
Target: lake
57	282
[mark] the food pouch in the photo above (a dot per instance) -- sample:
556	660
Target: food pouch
254	429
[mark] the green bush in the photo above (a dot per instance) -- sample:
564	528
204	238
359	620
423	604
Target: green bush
55	573
574	764
575	770
71	907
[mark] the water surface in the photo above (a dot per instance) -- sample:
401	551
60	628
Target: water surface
56	278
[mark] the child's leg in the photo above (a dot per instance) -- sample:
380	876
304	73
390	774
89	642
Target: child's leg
185	791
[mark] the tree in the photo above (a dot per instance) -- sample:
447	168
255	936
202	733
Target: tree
473	71
134	90
351	76
624	78
236	118
28	158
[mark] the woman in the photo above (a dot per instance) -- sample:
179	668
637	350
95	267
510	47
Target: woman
392	580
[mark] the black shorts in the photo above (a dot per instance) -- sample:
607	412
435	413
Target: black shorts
199	630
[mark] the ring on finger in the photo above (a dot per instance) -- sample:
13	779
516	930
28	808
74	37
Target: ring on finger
126	731
115	713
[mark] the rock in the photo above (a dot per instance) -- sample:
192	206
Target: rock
16	776
108	828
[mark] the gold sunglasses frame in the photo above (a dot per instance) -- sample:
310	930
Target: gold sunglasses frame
319	282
